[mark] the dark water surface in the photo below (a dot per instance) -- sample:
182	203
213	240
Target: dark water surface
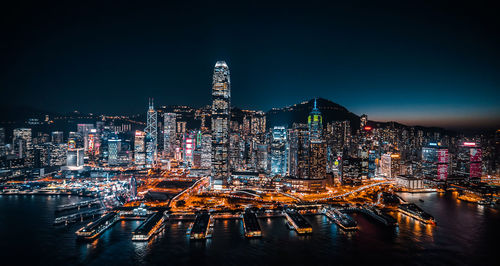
466	234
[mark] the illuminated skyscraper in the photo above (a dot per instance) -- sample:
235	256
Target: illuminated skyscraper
151	131
22	144
221	107
57	137
169	135
363	120
139	150
114	148
206	151
317	153
2	136
435	159
279	151
315	123
469	162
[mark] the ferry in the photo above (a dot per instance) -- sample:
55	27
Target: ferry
414	211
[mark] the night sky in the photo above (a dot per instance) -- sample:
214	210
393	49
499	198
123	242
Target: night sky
417	62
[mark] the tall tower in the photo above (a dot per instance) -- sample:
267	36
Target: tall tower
221	107
151	131
315	122
317	148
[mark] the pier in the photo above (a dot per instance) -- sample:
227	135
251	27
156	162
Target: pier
343	220
298	222
380	216
78	205
78	217
251	225
415	212
151	226
94	229
375	214
201	228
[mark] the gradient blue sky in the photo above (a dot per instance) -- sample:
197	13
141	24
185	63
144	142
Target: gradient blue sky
427	62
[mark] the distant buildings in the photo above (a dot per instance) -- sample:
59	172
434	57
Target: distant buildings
240	148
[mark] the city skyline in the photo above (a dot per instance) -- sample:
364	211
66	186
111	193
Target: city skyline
410	71
249	133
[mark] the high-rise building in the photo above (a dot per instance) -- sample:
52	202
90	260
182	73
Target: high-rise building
58	154
74	156
317	160
114	148
57	137
84	130
151	131
139	148
188	147
22	143
469	162
390	165
206	151
133	187
234	151
315	123
317	145
435	162
150	147
262	158
363	121
303	149
169	122
279	151
2	136
221	108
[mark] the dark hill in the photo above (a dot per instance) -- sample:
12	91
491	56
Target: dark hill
298	113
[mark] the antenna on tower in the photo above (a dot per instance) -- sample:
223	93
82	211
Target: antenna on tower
151	103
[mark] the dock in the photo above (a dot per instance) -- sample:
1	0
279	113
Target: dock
380	216
201	228
298	222
415	212
251	225
78	205
151	226
96	228
343	220
78	217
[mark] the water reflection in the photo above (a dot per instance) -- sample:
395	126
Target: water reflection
465	234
